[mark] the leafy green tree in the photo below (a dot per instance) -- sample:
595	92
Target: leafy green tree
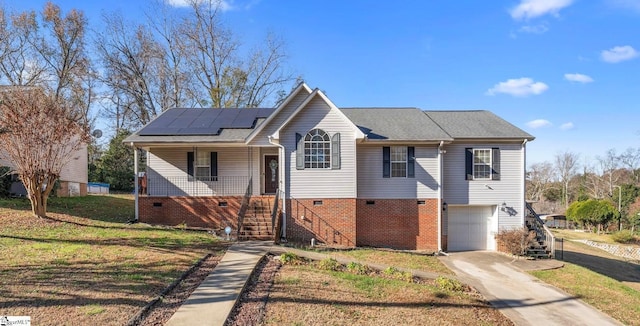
116	164
592	213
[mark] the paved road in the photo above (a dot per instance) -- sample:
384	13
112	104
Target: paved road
521	297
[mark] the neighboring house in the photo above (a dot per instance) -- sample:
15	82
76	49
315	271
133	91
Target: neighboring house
385	177
73	177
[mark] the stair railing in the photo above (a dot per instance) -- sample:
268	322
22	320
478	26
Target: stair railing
276	221
542	231
243	207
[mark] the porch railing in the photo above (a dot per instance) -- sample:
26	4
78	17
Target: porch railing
197	186
542	231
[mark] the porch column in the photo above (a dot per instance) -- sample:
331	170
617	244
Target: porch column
135	178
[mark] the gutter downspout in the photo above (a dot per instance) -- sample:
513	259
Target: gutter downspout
283	163
135	178
524	177
440	150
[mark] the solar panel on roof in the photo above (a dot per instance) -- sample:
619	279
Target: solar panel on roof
244	119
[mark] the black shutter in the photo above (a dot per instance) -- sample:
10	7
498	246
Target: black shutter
468	164
411	162
214	166
495	163
190	164
386	162
299	152
335	151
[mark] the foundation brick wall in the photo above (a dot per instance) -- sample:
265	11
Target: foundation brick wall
204	212
333	221
398	223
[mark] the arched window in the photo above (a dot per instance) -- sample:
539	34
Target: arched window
317	150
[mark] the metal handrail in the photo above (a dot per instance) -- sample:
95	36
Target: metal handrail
243	207
274	211
542	231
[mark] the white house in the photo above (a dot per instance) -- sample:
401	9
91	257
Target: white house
386	177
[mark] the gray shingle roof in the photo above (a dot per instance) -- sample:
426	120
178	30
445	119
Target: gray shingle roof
479	124
395	124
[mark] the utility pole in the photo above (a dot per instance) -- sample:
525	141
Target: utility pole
619	207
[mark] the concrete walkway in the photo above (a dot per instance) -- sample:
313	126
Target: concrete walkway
519	296
212	301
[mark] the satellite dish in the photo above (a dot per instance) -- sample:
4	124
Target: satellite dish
97	133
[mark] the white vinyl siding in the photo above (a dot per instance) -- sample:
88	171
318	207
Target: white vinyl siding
261	138
509	189
371	184
320	183
172	163
76	170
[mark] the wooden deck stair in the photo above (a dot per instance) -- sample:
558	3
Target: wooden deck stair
257	220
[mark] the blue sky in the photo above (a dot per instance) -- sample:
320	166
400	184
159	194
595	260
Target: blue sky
566	71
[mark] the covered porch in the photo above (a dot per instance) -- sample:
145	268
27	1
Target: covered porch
206	185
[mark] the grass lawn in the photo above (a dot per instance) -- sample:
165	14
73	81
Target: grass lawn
306	295
407	260
84	265
604	293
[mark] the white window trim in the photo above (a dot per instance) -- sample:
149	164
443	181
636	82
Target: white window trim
489	164
196	166
327	144
406	161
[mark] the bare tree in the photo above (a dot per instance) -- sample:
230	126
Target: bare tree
540	177
609	164
593	182
566	164
631	160
48	52
226	78
39	135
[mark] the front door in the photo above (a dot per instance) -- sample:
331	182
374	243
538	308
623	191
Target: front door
271	179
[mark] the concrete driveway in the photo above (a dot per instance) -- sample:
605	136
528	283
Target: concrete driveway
519	296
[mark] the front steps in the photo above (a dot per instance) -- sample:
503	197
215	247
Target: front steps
257	220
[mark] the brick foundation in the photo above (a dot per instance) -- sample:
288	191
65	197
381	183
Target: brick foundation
398	223
206	212
329	220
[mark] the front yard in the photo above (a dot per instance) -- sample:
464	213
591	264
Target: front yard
84	265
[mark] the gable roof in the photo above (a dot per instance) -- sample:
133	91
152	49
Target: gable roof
302	86
317	92
395	124
476	124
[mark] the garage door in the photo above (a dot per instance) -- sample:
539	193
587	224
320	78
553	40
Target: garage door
468	228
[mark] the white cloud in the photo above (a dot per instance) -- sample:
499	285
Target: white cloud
579	78
539	123
534	29
222	4
536	8
619	53
566	126
518	87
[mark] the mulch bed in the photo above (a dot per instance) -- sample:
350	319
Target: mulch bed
251	305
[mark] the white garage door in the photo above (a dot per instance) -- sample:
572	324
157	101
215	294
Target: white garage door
469	227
